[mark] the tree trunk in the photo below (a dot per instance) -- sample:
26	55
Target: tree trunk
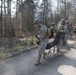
5	22
65	10
11	31
1	18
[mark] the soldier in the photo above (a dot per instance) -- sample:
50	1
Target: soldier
53	33
74	31
62	31
59	32
43	37
71	29
67	29
53	30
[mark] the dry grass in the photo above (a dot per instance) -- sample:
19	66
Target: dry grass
9	46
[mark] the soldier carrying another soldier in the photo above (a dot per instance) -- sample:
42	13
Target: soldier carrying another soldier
62	30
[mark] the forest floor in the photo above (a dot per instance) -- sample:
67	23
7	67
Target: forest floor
14	46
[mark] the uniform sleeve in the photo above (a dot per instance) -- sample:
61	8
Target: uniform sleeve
59	28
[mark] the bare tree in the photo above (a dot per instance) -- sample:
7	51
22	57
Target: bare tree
5	21
9	18
1	18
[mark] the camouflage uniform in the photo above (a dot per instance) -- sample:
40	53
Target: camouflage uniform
74	31
43	39
71	29
62	29
66	29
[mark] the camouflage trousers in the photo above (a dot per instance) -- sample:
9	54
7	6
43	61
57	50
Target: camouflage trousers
42	47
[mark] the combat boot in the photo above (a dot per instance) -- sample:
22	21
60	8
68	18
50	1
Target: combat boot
37	63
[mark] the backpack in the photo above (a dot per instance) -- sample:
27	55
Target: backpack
48	33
